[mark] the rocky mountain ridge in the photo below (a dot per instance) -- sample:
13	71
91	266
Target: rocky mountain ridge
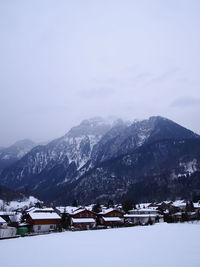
97	160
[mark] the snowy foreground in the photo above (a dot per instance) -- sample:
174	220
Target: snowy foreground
160	245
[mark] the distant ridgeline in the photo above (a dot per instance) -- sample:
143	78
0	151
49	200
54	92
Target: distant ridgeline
148	160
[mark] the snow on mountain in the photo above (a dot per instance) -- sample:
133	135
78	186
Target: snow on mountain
17	150
97	158
189	167
80	148
14	152
186	168
59	159
18	204
124	138
126	165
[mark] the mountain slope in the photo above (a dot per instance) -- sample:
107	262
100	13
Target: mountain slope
123	139
58	161
97	160
155	165
8	194
14	152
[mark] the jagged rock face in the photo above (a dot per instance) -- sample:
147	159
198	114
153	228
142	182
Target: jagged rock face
164	162
97	160
123	139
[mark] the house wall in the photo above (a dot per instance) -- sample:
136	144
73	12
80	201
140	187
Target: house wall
113	213
112	224
83	225
42	221
144	212
140	220
85	214
38	228
43	225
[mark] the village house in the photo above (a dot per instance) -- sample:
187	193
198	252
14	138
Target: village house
192	215
112	212
144	211
141	219
43	221
83	219
197	207
111	221
153	205
111	217
177	216
168	206
179	205
179	210
143	216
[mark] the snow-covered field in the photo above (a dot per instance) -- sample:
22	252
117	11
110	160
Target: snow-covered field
163	245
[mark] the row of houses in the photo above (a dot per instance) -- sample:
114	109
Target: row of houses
178	211
43	220
174	206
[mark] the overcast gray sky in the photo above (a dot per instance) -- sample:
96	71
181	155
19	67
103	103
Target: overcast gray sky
64	61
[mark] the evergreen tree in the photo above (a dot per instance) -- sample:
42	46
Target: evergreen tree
97	208
168	218
189	206
65	221
198	215
150	222
184	216
110	203
38	205
24	217
196	198
127	205
75	203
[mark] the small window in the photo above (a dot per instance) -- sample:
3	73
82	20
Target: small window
51	227
39	227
